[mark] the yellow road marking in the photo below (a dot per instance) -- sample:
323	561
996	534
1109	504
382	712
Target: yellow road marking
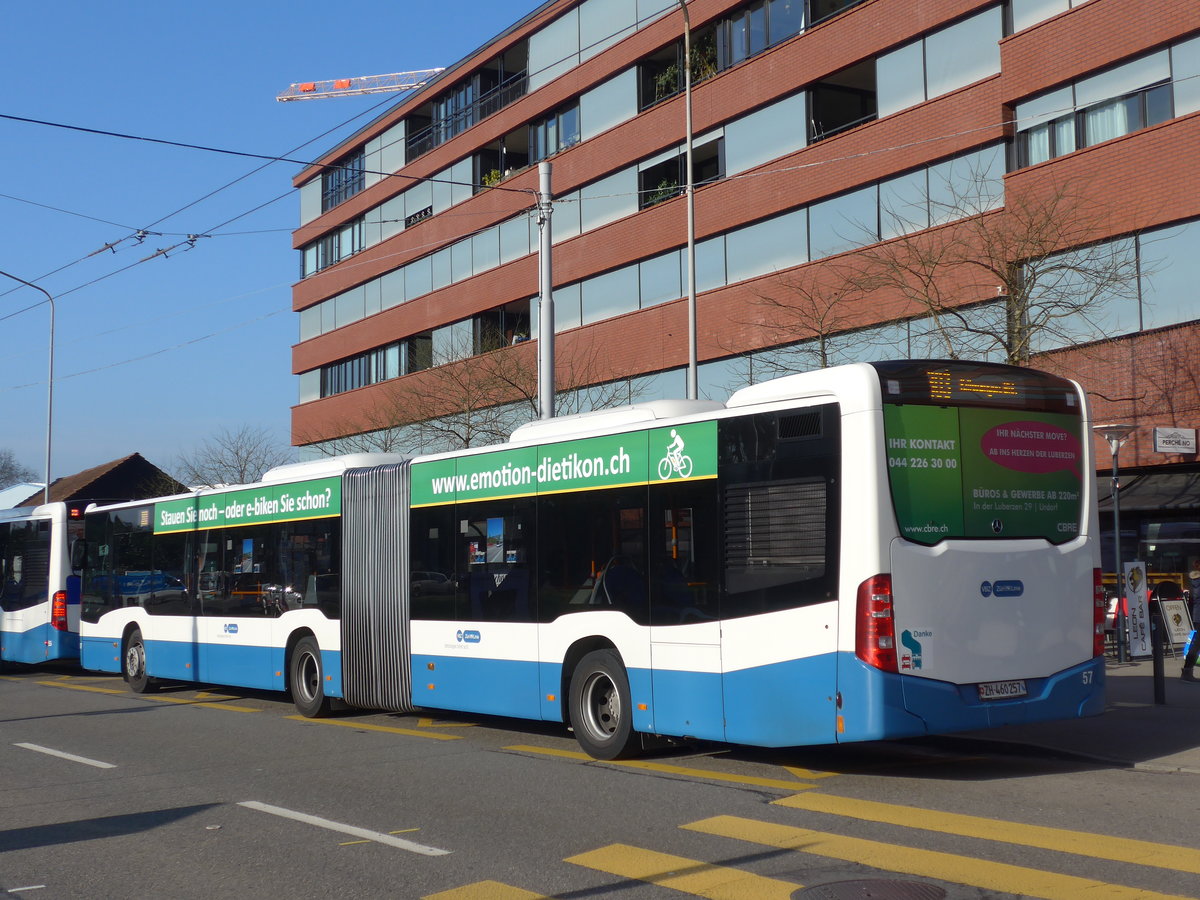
83	687
485	890
430	723
412	732
682	874
803	774
670	769
1100	846
949	867
208	704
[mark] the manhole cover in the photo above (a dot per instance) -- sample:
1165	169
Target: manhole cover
872	889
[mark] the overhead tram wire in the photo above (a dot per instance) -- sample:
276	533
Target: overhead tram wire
270	159
140	233
308	163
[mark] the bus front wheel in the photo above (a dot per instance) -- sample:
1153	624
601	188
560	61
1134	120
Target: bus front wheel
600	707
133	665
308	680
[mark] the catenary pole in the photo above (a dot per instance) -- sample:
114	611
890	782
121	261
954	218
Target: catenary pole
49	380
545	298
693	389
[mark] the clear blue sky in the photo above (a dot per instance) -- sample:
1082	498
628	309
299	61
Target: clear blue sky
155	358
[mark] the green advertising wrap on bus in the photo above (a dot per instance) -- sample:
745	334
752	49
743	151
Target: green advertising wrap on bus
315	499
684	453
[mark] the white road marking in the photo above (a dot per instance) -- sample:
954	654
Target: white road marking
71	756
376	836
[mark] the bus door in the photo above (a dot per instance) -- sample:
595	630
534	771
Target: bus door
685	631
24	589
594	584
781	529
233	567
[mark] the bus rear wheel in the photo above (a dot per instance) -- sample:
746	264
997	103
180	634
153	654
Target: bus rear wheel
307	680
600	707
133	665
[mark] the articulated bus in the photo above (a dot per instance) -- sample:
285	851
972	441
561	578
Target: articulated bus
872	551
39	598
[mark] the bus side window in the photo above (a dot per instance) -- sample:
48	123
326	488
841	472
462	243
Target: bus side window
495	550
586	540
432	576
685	552
781	509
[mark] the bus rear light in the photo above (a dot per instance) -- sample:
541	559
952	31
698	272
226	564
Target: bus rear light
1099	613
875	635
58	611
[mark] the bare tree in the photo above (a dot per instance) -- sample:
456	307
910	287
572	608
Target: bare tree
13	472
1006	283
468	400
808	318
232	457
983	282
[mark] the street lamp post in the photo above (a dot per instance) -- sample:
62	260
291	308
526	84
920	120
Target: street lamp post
693	389
49	380
1117	435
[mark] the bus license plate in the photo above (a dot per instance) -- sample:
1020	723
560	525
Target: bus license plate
1001	690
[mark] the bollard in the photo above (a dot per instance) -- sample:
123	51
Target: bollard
1122	636
1157	629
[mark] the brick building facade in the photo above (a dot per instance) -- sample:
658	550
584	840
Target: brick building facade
823	131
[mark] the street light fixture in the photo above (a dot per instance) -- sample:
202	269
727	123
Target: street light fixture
1117	434
693	389
49	380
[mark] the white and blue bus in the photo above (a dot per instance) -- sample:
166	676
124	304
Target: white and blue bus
871	551
39	598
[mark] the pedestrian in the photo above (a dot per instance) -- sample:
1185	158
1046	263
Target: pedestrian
1192	649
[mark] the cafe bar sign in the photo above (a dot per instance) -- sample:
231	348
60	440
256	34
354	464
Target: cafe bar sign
1175	440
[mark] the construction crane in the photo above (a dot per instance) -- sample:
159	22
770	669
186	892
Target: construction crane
364	84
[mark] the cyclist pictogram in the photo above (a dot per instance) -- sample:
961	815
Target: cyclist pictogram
675	461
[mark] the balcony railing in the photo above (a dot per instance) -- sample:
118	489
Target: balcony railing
445	128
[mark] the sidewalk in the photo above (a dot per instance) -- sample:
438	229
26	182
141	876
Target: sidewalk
1133	731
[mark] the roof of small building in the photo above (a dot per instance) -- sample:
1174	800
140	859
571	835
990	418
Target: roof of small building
131	477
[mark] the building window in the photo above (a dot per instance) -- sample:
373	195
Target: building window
554	133
823	9
754	28
455	112
501	81
1095	124
667	179
661	75
333	247
343	180
1113	118
487	331
843	100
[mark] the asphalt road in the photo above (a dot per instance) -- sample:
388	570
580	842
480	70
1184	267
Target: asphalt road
216	794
